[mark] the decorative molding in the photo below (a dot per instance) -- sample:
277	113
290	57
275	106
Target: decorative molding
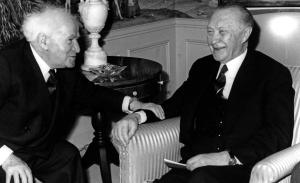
163	46
191	58
140	29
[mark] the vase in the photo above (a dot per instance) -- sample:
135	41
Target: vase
93	15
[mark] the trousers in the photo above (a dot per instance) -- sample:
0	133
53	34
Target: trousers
63	165
208	174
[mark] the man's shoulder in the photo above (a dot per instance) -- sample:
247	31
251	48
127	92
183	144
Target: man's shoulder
267	61
14	50
267	66
14	46
205	62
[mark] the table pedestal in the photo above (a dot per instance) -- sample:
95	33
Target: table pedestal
140	79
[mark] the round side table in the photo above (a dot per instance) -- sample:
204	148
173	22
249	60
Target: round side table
142	79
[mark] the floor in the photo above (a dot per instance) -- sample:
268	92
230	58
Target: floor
95	176
81	136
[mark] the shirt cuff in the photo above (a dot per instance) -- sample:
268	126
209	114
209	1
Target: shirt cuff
5	152
143	116
237	161
125	104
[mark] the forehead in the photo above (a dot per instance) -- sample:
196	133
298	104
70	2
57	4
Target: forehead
225	18
67	29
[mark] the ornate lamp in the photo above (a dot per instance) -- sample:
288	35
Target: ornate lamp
93	14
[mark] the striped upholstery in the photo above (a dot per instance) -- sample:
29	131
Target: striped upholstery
279	165
295	71
143	158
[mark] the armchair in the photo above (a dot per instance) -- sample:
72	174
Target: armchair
278	166
143	158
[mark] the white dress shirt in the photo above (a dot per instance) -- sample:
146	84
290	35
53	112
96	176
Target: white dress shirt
233	67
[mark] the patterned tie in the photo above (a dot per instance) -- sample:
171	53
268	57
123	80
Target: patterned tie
220	81
52	81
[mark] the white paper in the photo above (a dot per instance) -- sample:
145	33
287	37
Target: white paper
174	164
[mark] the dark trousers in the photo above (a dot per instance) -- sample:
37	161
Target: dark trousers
295	178
208	174
63	165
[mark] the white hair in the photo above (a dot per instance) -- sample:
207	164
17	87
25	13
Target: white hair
46	21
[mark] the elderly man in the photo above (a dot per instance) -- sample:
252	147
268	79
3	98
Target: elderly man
236	106
40	93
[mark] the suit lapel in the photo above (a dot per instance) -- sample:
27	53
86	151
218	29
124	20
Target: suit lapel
37	75
204	82
242	85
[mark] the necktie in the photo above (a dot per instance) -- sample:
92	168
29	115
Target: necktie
220	81
52	81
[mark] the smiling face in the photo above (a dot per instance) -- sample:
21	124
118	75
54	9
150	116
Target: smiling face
63	46
227	35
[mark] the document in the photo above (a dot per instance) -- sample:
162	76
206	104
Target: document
174	164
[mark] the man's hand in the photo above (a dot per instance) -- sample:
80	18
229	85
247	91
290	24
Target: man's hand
215	159
155	108
17	169
124	129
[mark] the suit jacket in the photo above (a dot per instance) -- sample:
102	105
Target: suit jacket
27	123
258	119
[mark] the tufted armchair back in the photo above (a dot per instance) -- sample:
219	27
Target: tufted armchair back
295	71
284	48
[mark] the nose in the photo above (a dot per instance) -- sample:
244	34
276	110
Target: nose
215	38
76	47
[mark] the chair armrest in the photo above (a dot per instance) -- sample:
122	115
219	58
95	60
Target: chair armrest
276	166
143	158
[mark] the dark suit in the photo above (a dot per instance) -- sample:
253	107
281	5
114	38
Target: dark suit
28	123
257	120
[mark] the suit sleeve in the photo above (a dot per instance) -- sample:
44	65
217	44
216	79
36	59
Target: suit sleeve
173	106
89	95
4	90
277	129
4	81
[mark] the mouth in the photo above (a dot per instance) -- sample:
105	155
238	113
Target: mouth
218	48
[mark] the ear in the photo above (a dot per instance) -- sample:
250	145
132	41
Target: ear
246	34
43	41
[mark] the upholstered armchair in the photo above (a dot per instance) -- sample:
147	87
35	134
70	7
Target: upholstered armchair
278	167
143	158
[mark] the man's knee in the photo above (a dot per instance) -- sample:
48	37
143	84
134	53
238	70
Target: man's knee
67	148
296	174
202	175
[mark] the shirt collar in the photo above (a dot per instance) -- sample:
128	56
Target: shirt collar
234	65
44	67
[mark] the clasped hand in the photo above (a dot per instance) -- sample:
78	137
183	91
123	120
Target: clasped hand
124	129
214	159
155	108
17	170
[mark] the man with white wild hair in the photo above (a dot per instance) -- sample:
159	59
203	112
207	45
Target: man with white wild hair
40	93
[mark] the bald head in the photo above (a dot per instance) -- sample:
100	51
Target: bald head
243	14
228	31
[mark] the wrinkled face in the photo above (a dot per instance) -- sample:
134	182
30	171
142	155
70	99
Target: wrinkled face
63	47
226	35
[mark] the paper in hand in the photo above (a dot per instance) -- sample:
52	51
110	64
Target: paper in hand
174	164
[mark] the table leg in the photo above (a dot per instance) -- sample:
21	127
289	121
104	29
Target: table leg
97	152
